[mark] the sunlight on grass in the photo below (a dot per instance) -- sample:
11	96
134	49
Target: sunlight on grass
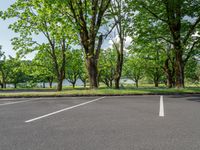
101	91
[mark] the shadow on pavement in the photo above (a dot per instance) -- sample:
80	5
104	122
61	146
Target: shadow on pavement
189	97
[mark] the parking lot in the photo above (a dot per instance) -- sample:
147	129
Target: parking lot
101	123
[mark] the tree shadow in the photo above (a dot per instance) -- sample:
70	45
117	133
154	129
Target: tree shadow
189	97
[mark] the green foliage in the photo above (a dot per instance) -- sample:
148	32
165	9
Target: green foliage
192	71
74	67
107	66
42	68
134	68
43	19
172	23
16	72
11	71
162	32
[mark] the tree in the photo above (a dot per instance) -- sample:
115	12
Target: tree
43	68
42	18
107	66
87	17
30	78
151	53
2	69
10	71
83	76
181	18
191	70
119	14
16	74
154	72
198	73
134	69
168	67
74	67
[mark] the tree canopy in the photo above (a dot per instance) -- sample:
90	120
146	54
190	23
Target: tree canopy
71	41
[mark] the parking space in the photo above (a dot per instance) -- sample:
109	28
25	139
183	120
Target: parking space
101	123
21	110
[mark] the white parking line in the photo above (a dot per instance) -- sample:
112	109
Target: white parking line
161	111
10	103
65	109
17	102
13	99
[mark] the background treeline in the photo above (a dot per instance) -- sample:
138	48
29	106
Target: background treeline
70	39
138	69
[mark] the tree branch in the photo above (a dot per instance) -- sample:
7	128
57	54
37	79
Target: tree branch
191	51
154	14
160	37
192	28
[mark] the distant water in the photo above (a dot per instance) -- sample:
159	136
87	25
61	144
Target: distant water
67	83
54	84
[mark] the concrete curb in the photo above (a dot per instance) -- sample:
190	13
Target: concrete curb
93	95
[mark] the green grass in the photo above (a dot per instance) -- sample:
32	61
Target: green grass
101	91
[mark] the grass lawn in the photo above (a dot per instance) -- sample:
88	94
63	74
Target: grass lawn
100	91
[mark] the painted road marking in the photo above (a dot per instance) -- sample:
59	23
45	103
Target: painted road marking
161	111
65	109
11	103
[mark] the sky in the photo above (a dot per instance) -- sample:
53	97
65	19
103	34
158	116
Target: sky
6	34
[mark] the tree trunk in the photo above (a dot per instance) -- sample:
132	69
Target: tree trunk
4	83
156	82
98	79
92	72
179	71
118	72
15	85
110	83
106	82
136	83
169	81
50	80
50	84
43	84
117	80
1	85
156	77
174	22
179	64
60	71
73	84
59	87
84	84
169	73
120	60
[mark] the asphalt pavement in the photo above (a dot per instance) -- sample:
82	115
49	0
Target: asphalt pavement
101	123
